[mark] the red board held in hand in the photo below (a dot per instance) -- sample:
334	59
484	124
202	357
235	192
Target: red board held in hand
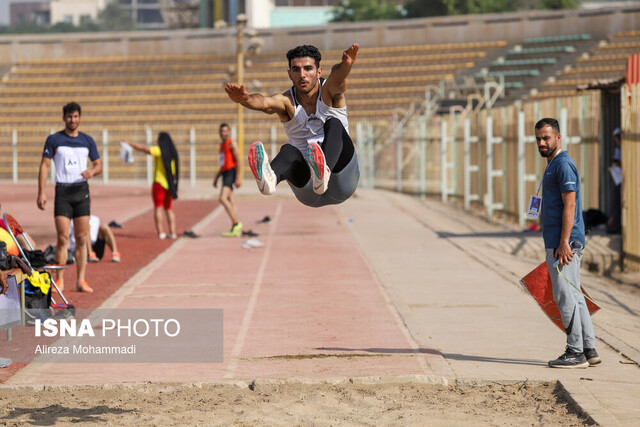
538	283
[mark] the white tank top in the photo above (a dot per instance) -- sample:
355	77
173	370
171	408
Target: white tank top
303	129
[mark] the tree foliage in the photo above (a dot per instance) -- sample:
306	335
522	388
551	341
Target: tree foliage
425	8
365	10
559	4
114	18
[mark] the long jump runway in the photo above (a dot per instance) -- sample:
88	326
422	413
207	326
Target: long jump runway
410	290
305	305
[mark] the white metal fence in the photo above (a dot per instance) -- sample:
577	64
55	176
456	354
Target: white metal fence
483	160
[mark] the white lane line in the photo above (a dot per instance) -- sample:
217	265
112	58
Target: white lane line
397	308
181	295
203	285
137	279
40	370
246	321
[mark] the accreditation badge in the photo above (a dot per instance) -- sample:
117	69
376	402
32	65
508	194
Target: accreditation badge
535	204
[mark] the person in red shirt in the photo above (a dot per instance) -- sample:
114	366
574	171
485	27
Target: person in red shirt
231	173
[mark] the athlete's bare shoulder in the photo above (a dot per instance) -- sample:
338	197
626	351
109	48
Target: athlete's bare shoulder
289	108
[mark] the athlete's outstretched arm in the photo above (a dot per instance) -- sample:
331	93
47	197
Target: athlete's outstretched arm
337	80
274	104
139	147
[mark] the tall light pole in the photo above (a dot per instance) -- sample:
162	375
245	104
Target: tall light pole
241	21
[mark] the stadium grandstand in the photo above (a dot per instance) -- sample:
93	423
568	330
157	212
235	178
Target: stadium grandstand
410	75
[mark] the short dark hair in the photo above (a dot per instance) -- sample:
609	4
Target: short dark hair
223	125
304	51
71	107
548	122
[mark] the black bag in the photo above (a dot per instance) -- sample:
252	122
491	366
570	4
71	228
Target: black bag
593	218
50	254
34	297
4	259
36	258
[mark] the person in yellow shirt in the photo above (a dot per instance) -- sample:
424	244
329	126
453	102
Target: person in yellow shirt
165	182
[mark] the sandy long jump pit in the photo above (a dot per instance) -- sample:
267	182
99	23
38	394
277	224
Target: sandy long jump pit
293	402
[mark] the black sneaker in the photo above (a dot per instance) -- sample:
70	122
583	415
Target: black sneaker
570	360
592	356
191	234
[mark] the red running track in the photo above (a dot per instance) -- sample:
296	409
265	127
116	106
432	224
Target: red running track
137	241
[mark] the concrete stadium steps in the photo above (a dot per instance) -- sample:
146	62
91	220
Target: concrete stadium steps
202	76
123	60
363	77
568	50
127	95
559	93
606	60
602	59
123	80
522	67
206	63
198	86
55	101
621	47
38	108
626	36
521	64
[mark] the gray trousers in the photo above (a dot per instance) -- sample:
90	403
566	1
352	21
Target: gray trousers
571	303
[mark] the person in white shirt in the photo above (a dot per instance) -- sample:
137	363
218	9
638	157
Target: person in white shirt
76	160
100	235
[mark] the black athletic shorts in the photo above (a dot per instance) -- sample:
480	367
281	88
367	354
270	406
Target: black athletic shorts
72	200
229	178
98	248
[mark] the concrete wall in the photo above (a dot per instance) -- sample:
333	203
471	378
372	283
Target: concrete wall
513	27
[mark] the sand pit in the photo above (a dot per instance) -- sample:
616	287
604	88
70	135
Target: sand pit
292	404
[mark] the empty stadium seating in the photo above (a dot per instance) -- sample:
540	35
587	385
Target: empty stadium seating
605	61
132	97
527	65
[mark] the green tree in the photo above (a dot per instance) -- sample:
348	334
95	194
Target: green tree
114	18
559	4
424	8
365	10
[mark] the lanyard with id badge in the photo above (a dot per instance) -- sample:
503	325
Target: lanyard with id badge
535	203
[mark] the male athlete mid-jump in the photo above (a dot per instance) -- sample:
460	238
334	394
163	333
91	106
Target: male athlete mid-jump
319	162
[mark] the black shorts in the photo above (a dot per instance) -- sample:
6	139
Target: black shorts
229	178
72	200
98	248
